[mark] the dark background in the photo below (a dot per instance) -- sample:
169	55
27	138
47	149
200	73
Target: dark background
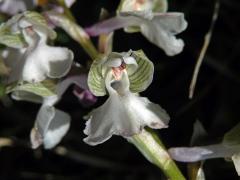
215	103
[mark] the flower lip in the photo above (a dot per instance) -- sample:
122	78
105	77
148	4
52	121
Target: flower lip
117	71
124	113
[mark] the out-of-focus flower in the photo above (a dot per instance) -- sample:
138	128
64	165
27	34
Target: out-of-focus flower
124	113
198	153
51	124
32	66
158	28
228	148
38	60
13	7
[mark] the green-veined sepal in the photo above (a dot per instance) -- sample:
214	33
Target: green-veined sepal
139	68
42	89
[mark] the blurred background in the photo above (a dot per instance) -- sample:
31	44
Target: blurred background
215	104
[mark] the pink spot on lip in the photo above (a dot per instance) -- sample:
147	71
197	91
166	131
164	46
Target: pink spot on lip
117	71
30	30
138	4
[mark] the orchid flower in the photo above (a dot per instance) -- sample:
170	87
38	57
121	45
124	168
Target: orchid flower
32	66
124	113
37	61
159	28
52	124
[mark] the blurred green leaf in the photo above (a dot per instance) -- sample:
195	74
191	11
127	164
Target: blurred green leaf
43	89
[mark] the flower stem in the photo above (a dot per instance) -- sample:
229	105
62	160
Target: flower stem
2	90
67	11
68	23
153	149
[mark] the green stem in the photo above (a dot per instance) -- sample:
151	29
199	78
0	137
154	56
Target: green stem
2	90
68	23
153	149
67	11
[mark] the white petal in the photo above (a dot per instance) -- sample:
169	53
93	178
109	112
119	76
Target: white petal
110	119
190	154
116	62
124	113
236	162
52	125
161	30
69	3
57	129
60	61
45	61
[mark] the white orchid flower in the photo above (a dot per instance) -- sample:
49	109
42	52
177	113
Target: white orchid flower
51	124
124	113
38	60
159	28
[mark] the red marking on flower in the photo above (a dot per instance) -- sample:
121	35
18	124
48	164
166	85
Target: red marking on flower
138	4
117	71
30	30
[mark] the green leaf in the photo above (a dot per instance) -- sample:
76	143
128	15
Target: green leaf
43	89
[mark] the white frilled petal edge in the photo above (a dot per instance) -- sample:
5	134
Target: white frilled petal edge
124	113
